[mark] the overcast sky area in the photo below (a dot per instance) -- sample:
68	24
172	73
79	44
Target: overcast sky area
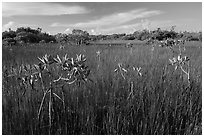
102	17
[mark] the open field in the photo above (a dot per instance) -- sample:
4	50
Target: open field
118	42
160	101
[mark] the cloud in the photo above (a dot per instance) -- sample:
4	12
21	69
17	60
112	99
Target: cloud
8	25
15	25
163	24
68	30
39	8
113	19
93	32
126	28
120	29
130	28
57	25
145	24
125	22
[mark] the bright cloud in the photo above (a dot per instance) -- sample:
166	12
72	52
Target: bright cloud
115	23
120	29
55	24
34	8
14	25
7	26
130	28
68	30
114	19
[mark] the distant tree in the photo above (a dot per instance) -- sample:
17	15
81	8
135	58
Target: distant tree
39	30
129	37
144	35
27	35
8	34
80	36
114	36
92	38
200	36
42	42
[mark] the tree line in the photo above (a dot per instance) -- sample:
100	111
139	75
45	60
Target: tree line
27	35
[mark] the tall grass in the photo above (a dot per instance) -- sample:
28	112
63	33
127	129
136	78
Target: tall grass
161	103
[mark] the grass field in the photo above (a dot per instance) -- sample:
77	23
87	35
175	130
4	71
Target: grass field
161	100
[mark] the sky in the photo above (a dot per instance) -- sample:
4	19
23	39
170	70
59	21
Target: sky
102	17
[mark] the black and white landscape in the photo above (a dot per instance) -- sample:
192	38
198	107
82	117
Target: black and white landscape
101	68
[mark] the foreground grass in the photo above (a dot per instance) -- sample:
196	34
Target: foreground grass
162	101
